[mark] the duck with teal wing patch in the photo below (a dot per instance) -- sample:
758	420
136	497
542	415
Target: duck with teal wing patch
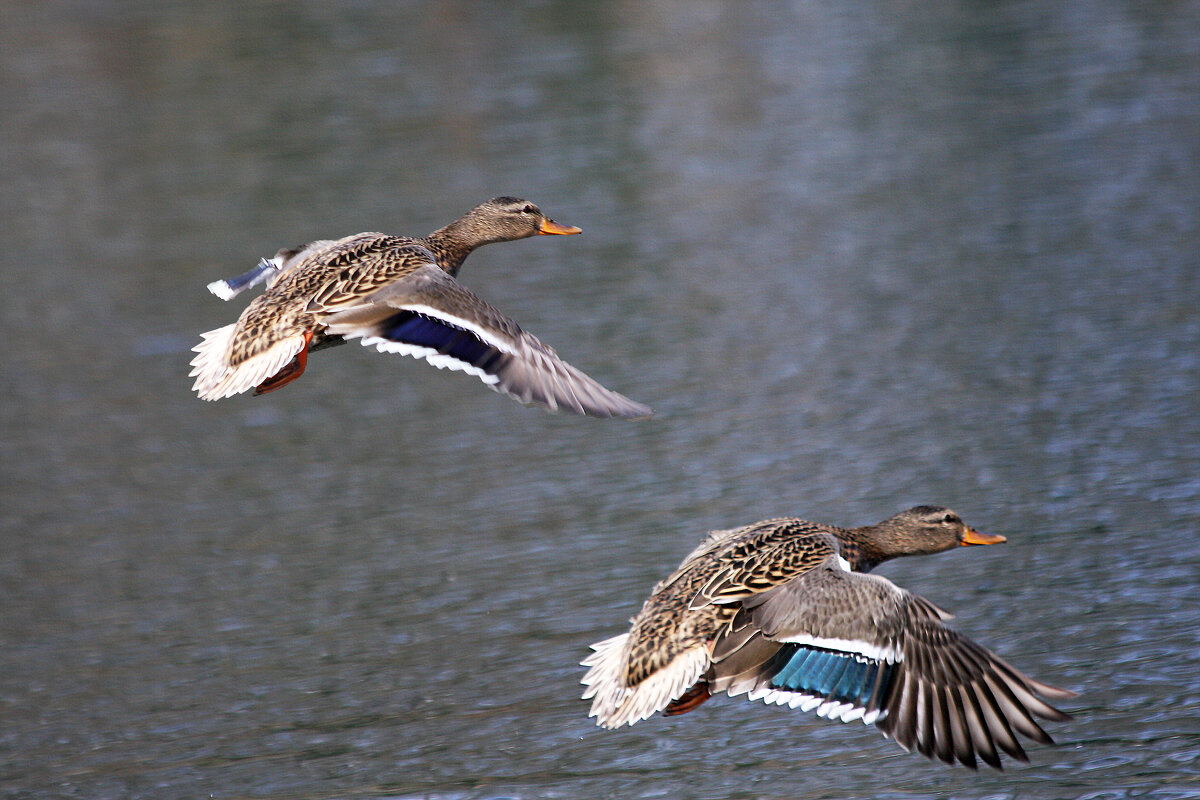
396	294
782	611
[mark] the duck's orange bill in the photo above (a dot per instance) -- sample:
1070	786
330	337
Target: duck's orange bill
549	226
973	536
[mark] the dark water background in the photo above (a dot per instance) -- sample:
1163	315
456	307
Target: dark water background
858	256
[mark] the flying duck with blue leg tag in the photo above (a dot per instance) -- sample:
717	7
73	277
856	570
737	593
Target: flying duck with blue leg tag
783	611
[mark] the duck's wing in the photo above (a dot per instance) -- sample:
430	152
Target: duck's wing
702	553
305	283
268	269
854	646
229	288
428	314
759	558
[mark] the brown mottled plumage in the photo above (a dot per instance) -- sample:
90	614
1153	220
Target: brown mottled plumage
781	610
398	294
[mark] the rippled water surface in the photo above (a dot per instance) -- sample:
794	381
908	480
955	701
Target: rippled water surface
857	256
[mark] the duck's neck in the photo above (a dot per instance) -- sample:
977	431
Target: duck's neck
453	243
860	547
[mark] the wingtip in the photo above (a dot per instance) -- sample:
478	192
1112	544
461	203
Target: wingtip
1052	692
639	413
623	409
222	289
607	404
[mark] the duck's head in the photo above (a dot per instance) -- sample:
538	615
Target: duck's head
503	219
926	529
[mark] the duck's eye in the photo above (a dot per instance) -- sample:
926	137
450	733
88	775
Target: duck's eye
530	209
950	519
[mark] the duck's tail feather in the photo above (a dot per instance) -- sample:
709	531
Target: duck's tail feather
217	378
615	703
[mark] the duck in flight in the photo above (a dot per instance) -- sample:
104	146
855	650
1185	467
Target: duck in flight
399	295
783	611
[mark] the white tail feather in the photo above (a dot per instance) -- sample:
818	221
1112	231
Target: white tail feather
216	379
615	704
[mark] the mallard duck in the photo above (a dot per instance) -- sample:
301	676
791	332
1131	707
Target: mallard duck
399	295
781	611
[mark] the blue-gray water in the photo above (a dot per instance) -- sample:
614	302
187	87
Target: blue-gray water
858	256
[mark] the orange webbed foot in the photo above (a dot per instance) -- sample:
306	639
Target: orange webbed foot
292	370
688	700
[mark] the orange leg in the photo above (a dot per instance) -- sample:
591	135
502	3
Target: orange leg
292	370
688	700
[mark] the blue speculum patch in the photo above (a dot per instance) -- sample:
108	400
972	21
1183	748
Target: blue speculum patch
846	677
412	328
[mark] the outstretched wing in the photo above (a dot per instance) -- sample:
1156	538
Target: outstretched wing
428	314
855	646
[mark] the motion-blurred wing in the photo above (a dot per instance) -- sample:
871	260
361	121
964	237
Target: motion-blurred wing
428	314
